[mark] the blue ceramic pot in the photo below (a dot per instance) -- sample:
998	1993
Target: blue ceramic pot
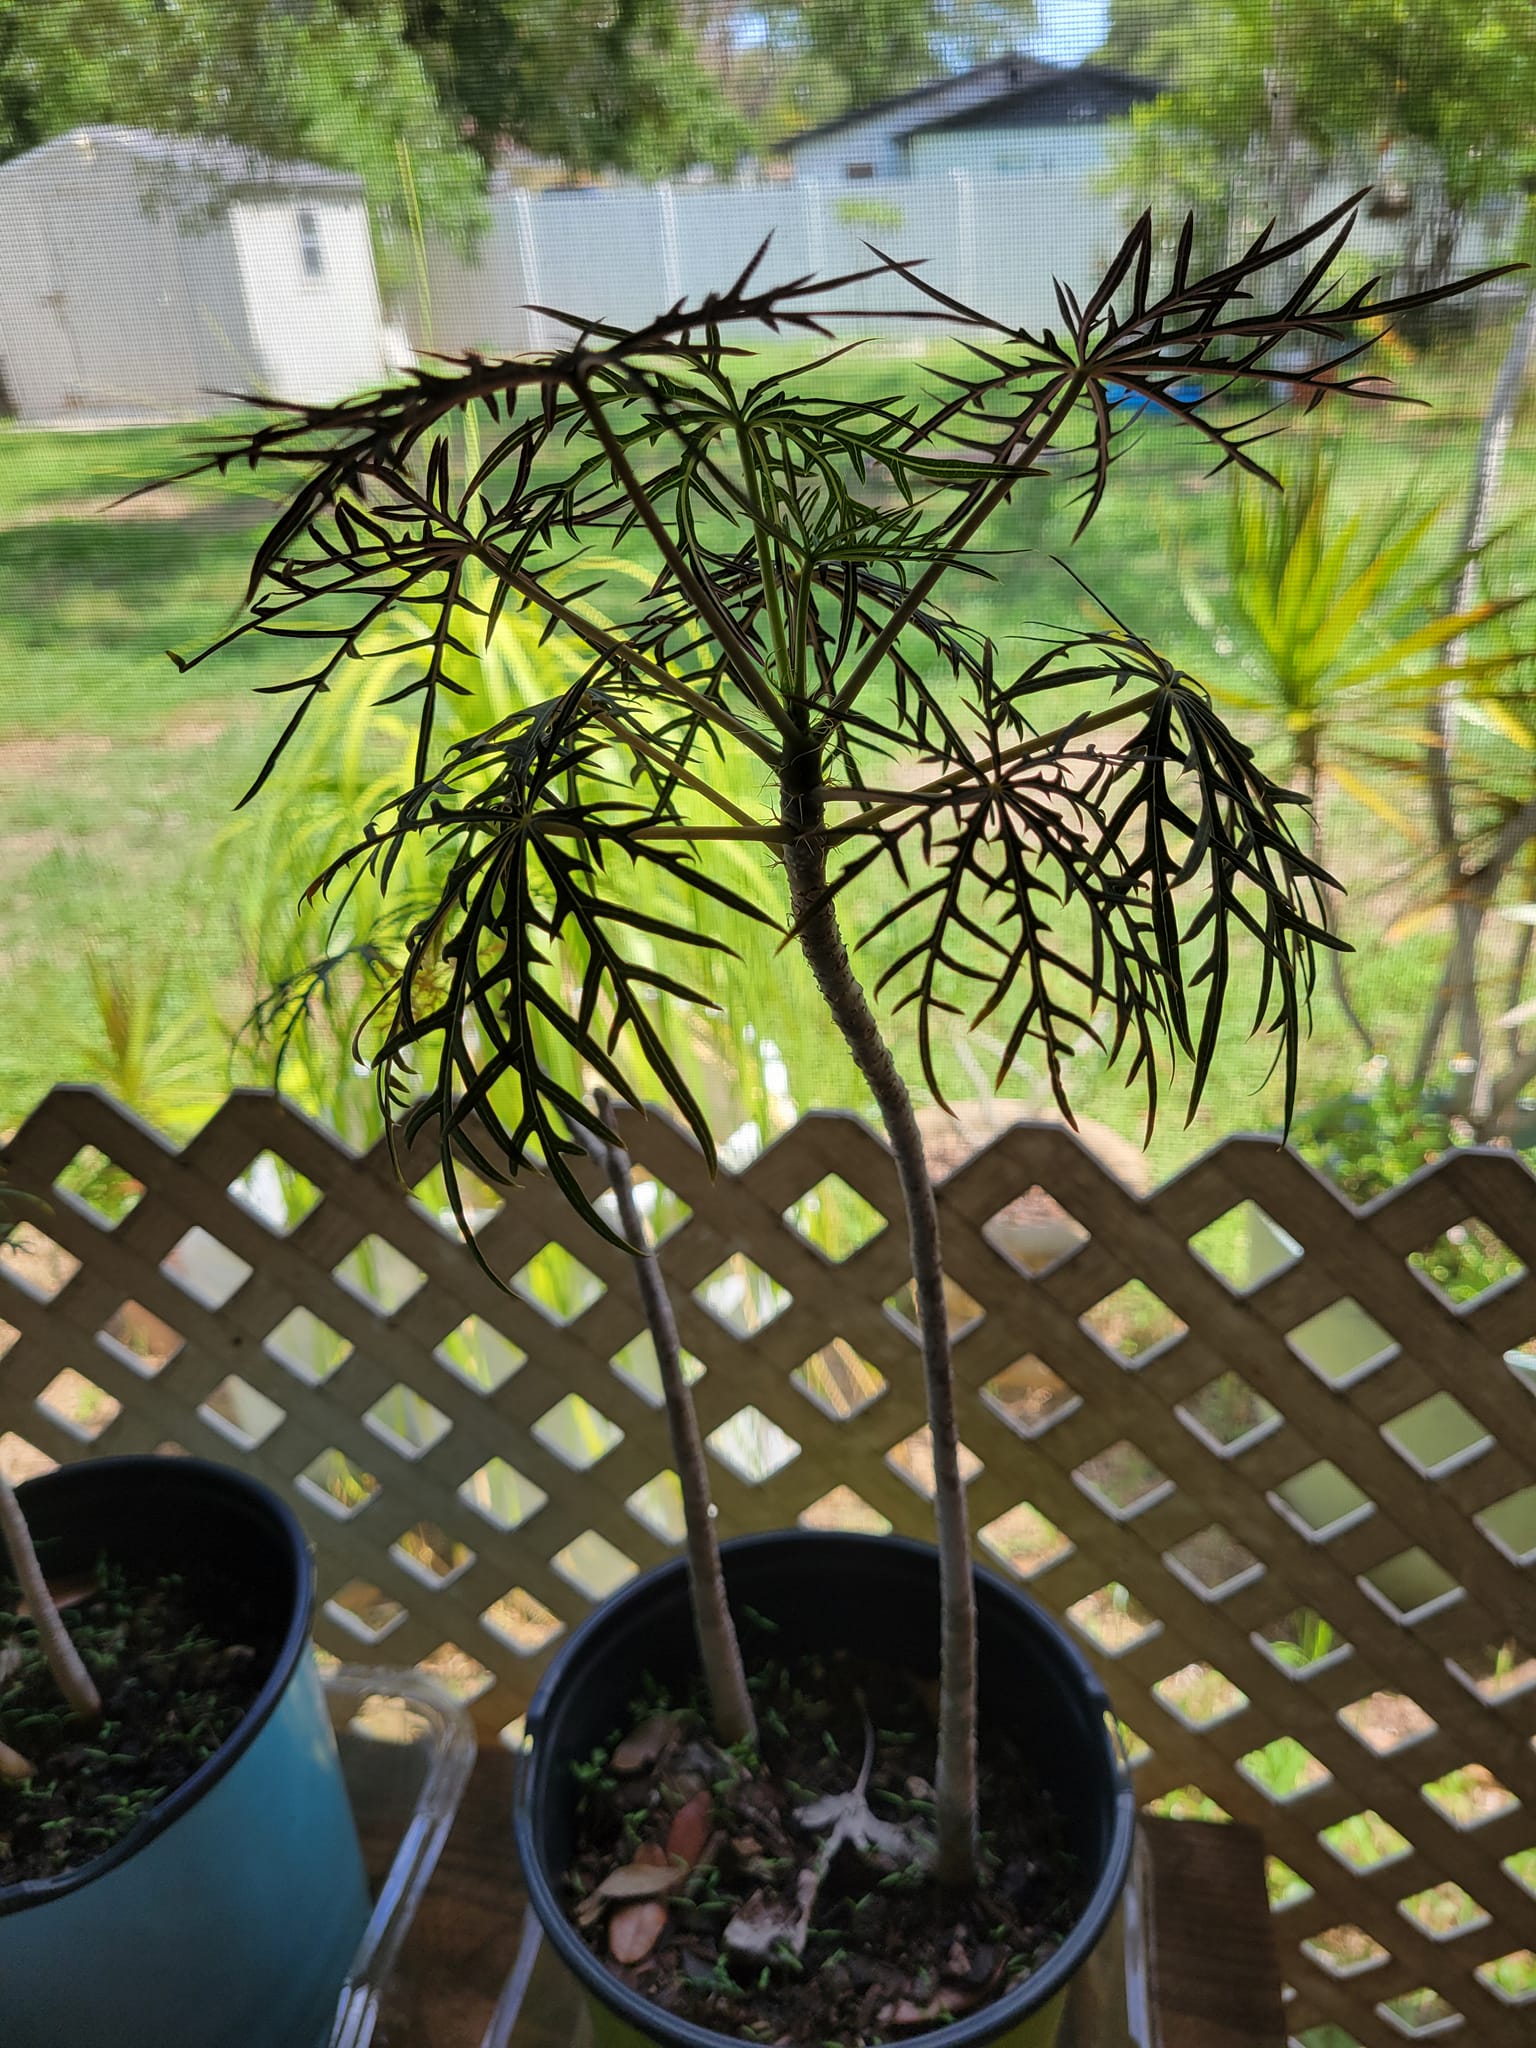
877	1596
228	1918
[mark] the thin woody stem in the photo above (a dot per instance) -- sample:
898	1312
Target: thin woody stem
821	941
719	1649
63	1659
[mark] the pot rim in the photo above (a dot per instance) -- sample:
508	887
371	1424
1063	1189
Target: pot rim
192	1474
654	2021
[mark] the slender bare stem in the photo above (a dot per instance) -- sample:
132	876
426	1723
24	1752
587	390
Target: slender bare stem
719	1648
821	941
69	1674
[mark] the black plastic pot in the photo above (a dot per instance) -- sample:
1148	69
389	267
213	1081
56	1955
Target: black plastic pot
228	1917
877	1596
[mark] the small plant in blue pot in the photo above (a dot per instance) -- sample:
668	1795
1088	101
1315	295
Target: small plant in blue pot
178	1863
791	721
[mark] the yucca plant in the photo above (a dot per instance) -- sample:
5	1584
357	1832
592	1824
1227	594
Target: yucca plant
1073	846
1335	617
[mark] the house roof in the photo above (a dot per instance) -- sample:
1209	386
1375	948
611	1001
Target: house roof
1015	77
1035	104
228	163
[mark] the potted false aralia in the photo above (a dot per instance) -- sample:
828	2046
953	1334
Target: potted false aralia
1068	844
178	1861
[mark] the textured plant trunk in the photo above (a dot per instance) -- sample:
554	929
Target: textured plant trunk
719	1648
821	941
1470	896
69	1674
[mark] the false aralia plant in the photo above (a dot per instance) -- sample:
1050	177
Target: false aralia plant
1072	847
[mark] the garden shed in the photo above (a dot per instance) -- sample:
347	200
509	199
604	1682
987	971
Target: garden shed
144	275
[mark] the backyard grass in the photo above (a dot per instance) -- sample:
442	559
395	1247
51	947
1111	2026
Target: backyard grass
118	773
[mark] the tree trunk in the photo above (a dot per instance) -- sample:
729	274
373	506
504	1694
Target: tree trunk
719	1649
821	941
1470	903
69	1674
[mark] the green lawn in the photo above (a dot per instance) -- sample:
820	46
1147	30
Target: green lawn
118	773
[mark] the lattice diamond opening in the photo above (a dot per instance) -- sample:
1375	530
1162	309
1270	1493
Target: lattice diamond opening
838	1380
78	1405
1188	1802
752	1446
242	1413
1228	1416
658	1506
578	1434
912	1460
962	1312
1122	1480
842	1508
1034	1233
1521	1869
1113	1619
139	1339
557	1284
1495	1671
1133	1324
1026	1541
35	1264
430	1554
1510	1977
1469	1796
593	1565
1342	1344
741	1296
1286	1887
365	1612
275	1193
1444	1911
501	1495
1510	1525
1420	2015
1301	1643
1322	1502
1345	1951
1466	1263
523	1623
310	1349
21	1460
480	1201
1213	1564
662	1210
636	1366
9	1335
379	1275
1437	1436
1245	1248
1386	1721
333	1482
406	1422
460	1674
1411	1586
479	1355
1284	1770
835	1218
1364	1841
204	1268
1200	1696
97	1185
1029	1396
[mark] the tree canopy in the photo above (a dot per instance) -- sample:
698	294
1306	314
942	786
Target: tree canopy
421	97
1432	93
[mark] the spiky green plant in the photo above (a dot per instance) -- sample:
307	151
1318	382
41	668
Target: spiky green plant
1072	848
